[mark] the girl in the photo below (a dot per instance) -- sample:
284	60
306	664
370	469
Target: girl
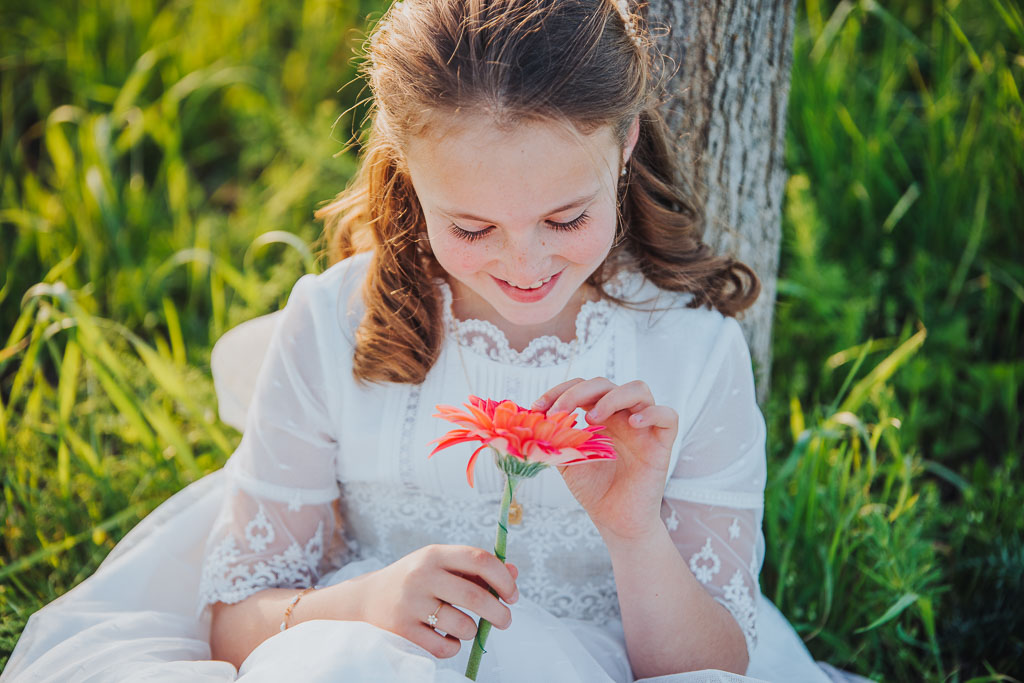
517	230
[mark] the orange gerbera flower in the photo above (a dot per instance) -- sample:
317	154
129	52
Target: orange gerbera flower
526	440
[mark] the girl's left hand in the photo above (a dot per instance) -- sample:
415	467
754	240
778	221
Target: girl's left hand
622	496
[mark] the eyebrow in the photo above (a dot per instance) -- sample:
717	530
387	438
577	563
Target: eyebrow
579	201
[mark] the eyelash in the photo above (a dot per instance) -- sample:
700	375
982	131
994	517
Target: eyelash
474	235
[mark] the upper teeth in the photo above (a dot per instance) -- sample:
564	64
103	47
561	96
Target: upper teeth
535	285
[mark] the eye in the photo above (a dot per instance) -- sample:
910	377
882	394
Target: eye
574	224
474	235
468	235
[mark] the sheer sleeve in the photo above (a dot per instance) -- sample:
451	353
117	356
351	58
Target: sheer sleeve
278	525
714	498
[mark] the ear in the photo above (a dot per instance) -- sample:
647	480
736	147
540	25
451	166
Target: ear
631	137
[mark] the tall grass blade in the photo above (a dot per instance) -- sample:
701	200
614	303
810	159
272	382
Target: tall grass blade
901	207
971	250
903	603
831	30
177	340
280	237
882	372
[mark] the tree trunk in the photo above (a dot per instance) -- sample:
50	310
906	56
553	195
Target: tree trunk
729	63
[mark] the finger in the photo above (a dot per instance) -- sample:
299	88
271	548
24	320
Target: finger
549	396
441	646
471	597
483	584
476	563
661	417
513	570
582	395
453	621
632	396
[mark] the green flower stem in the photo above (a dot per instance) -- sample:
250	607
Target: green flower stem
484	628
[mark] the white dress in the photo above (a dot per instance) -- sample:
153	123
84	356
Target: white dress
332	480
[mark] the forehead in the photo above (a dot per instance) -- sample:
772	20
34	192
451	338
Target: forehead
468	163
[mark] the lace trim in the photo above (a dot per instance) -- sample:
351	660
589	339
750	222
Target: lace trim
735	596
229	579
485	339
408	423
737	599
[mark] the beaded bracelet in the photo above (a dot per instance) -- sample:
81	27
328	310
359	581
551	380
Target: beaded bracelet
291	606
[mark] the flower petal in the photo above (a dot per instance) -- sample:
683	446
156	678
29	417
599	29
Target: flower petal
529	436
471	464
455	436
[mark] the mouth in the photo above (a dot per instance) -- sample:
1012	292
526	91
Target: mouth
532	292
536	285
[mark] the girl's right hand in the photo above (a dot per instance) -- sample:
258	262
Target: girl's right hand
400	597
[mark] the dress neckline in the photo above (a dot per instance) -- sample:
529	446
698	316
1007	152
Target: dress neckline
484	338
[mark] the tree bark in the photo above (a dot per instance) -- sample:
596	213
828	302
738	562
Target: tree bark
729	64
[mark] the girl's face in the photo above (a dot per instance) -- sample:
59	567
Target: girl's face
519	219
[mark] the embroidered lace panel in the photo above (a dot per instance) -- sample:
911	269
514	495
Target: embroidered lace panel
722	547
563	564
227	577
737	599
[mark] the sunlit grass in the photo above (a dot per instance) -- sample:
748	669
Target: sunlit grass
896	551
159	166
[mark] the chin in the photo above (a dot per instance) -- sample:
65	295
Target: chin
528	318
533	314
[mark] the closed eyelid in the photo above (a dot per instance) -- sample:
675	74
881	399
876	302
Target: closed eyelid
582	215
573	224
469	235
575	216
580	203
473	235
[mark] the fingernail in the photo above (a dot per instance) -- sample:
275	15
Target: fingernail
539	404
638	419
515	595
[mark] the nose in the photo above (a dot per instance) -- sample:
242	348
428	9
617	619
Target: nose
525	259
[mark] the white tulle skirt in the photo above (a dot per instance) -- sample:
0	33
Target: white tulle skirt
134	620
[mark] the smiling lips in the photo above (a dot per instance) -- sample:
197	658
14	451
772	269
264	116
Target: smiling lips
530	294
536	285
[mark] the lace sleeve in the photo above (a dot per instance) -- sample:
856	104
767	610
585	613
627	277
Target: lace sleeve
278	525
714	498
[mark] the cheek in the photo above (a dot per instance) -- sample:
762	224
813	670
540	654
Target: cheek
592	243
594	247
457	256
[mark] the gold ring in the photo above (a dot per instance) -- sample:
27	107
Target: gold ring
432	618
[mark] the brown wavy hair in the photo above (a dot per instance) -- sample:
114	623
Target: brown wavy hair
571	61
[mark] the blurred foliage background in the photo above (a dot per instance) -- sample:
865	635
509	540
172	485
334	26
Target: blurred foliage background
159	166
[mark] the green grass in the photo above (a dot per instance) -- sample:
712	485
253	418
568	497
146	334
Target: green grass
903	213
151	153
